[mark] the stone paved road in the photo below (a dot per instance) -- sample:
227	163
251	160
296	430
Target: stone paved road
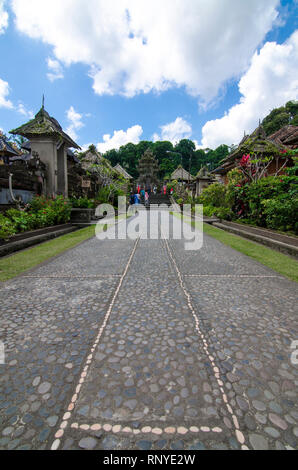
142	345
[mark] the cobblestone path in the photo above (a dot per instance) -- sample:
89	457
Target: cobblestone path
122	344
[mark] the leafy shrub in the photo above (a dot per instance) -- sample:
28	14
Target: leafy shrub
7	228
214	195
62	210
57	210
83	202
208	211
22	220
223	213
250	201
41	212
281	213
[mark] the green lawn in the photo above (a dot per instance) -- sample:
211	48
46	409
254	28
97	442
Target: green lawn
14	265
280	263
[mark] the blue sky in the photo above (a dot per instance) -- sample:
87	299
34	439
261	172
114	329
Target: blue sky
135	70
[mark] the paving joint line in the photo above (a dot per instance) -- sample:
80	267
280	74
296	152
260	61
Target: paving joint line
239	435
99	276
233	275
74	399
118	428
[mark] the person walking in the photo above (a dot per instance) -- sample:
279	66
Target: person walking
146	199
136	199
143	195
131	199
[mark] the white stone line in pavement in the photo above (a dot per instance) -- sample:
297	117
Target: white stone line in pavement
239	435
118	428
233	275
74	399
69	276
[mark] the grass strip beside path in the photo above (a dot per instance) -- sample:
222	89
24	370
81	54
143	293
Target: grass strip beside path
274	260
14	265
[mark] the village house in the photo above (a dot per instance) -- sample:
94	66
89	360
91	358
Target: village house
50	143
258	145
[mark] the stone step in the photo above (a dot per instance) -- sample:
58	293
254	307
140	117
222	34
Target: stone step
285	248
18	245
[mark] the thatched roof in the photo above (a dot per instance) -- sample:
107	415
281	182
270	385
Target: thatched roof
257	143
44	124
93	162
181	174
122	172
287	135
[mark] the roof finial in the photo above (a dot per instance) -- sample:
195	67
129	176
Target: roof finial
43	101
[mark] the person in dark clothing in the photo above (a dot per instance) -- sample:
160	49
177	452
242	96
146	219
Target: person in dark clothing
142	195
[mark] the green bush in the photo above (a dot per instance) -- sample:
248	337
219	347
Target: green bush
208	211
224	213
267	202
214	195
7	228
41	212
22	220
50	211
281	213
62	210
83	202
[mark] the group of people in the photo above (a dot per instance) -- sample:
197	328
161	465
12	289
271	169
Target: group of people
139	197
142	195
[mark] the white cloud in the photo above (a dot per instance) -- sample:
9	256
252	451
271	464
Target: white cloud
3	17
4	92
6	103
25	112
55	69
270	82
120	138
174	131
75	122
136	46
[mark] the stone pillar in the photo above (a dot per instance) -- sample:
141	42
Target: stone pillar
46	147
62	170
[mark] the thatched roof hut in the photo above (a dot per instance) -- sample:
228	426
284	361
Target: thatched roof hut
123	172
255	144
180	174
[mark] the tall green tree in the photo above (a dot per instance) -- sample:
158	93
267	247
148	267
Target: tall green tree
280	117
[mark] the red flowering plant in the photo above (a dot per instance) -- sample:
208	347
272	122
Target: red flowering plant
254	166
